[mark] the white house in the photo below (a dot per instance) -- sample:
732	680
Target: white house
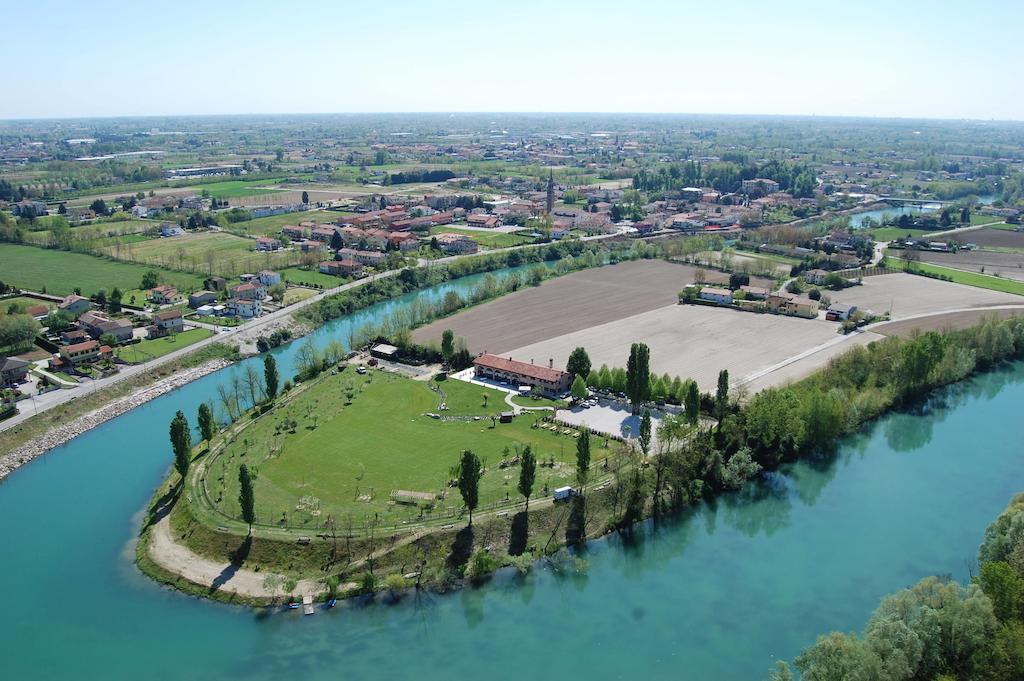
721	296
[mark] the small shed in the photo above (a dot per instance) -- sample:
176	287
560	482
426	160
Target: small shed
384	351
506	416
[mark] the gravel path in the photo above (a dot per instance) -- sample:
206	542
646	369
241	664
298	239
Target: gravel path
180	560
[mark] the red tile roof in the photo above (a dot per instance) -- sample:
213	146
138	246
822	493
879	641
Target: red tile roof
522	368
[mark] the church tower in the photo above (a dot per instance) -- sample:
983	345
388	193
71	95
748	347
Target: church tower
551	191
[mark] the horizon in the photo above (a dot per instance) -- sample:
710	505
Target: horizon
906	61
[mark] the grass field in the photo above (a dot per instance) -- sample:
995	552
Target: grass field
297	275
295	295
21	303
158	347
227	254
353	455
271	225
887	234
232	189
59	272
961	277
486	239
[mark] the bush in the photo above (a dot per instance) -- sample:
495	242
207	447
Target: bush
481	565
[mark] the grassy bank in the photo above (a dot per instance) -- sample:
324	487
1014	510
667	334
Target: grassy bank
961	276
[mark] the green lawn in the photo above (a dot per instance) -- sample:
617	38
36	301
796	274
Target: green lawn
21	303
887	234
962	277
60	272
354	455
297	275
230	189
486	239
158	347
231	255
271	225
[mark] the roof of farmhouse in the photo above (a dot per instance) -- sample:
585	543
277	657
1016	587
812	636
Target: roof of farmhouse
521	368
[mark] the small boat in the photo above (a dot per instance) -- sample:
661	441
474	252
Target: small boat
331	603
292	605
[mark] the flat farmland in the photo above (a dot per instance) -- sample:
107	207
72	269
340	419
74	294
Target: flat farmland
1001	263
567	304
271	225
61	271
695	341
226	254
945	321
908	295
991	237
233	189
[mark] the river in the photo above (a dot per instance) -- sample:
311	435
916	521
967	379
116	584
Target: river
857	220
715	594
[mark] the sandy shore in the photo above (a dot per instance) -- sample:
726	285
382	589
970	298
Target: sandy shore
62	434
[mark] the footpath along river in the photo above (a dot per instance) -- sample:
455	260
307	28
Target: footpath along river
718	593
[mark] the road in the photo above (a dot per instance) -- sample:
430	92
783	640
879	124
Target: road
250	329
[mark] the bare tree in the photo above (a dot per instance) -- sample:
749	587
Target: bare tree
253	384
227	401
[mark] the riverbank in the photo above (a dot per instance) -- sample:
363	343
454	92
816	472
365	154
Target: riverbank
68	430
695	470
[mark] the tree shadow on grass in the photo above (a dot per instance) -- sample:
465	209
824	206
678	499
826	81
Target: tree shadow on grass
237	559
461	549
576	524
518	534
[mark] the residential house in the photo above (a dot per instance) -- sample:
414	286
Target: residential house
245	308
73	335
325	233
755	292
13	370
838	312
252	290
74	305
363	257
167	322
293	232
760	186
215	284
816	276
404	241
376	238
548	380
450	242
789	304
268	278
165	295
266	243
80	352
98	325
197	300
342	268
720	296
483	220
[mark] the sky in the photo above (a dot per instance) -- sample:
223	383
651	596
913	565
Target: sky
900	58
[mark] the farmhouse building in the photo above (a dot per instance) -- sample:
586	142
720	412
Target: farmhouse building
722	296
75	305
342	268
197	300
548	380
167	322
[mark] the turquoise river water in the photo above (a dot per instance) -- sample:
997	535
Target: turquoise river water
717	593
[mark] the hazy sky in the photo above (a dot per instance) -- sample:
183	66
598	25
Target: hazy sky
939	59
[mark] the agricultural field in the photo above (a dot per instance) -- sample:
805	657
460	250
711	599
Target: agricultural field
345	445
158	347
271	225
203	252
232	189
997	263
977	280
995	237
567	304
887	234
695	341
59	272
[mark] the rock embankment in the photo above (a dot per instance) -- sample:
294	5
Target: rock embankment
63	433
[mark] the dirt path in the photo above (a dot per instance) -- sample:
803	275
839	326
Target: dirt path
180	560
